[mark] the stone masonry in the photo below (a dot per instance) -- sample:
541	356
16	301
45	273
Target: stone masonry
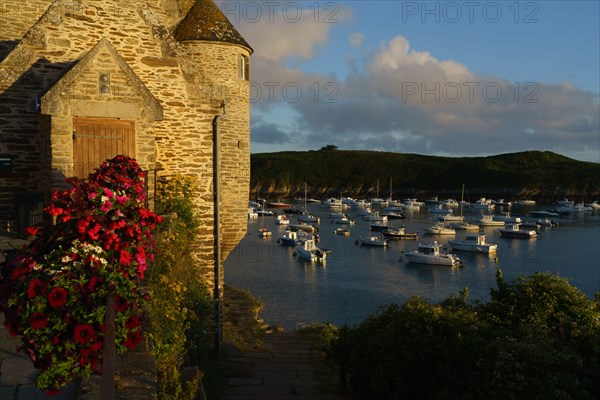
165	66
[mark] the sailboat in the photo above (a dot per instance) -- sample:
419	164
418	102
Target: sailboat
306	217
463	225
378	201
379	240
263	231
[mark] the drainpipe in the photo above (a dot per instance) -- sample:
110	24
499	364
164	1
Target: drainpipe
217	226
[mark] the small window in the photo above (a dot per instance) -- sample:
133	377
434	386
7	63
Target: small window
244	68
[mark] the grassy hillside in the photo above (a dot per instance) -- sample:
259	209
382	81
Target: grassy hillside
541	175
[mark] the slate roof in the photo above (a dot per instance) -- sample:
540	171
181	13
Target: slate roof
205	21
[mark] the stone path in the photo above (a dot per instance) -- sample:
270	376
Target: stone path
282	371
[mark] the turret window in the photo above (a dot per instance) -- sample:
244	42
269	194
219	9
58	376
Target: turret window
243	67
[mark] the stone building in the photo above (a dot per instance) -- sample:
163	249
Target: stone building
84	80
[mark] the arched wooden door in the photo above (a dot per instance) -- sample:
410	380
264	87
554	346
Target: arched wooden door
98	139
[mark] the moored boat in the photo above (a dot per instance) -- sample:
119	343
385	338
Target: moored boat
289	238
473	243
342	231
377	241
278	204
439	229
398	234
430	254
309	251
515	231
463	226
488	220
282	219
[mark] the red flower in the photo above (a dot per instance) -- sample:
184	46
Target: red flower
132	339
82	225
125	257
133	322
38	320
36	288
57	297
93	232
84	334
32	230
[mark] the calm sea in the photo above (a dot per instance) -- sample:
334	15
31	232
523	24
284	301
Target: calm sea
357	280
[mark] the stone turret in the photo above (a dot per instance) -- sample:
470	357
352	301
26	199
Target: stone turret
214	59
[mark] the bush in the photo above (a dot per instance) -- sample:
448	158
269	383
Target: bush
538	338
181	309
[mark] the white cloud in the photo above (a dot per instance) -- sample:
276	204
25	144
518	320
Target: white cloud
356	39
283	32
407	100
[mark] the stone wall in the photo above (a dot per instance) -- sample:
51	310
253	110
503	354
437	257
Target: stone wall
50	76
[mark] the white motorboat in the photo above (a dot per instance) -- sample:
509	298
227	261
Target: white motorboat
309	251
282	219
594	204
450	203
333	202
450	218
302	226
565	203
439	229
474	243
289	238
340	219
507	218
375	217
463	226
377	241
430	254
488	220
483	204
439	209
515	231
309	218
398	234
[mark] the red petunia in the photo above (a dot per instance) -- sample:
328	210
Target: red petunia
84	334
38	320
133	322
36	287
32	230
93	232
125	257
132	339
57	297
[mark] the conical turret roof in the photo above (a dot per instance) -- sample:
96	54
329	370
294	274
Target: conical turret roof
204	21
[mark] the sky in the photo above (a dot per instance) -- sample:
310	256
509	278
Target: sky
447	78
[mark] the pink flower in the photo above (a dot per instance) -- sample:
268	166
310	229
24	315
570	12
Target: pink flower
106	206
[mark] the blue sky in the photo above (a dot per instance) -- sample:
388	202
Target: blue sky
464	78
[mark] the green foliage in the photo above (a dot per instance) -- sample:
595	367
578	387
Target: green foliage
181	310
537	338
356	172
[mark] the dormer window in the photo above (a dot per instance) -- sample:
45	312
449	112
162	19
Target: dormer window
243	67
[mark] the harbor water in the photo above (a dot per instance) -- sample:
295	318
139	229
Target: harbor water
357	280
